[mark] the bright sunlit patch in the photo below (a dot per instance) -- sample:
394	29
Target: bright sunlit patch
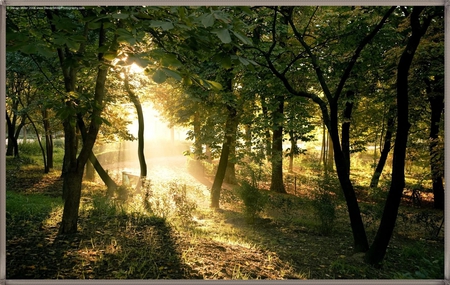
134	68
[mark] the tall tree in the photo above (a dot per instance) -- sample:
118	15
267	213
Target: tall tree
329	107
419	21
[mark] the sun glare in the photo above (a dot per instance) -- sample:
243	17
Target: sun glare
134	68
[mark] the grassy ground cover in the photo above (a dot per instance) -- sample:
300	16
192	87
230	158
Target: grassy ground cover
174	235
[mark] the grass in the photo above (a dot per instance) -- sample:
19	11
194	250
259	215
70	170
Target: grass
177	236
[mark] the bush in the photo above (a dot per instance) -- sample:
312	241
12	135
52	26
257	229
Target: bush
183	207
324	203
30	148
254	200
425	269
172	204
255	172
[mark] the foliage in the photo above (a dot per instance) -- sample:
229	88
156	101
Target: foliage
422	265
170	202
324	202
122	240
254	200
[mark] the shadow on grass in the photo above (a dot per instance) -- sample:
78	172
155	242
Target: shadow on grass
109	245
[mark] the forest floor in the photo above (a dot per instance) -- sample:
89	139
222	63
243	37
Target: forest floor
284	241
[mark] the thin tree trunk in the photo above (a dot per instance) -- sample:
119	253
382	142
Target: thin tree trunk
292	151
361	243
330	155
223	161
379	246
323	150
140	114
48	138
277	184
89	173
198	150
384	153
346	127
46	168
93	161
12	142
110	184
230	173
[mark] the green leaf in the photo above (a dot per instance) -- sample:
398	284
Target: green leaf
159	76
94	25
170	60
221	16
45	51
161	24
102	49
109	55
126	39
214	85
246	10
29	49
120	16
243	61
78	38
208	21
72	44
174	74
223	35
243	38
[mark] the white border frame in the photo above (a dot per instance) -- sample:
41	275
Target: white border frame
4	3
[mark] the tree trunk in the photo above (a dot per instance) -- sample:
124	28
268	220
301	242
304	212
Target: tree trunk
110	184
292	151
384	154
330	156
140	114
230	173
73	177
345	132
277	184
12	142
361	243
198	149
223	161
323	150
89	173
48	138
436	99
46	168
72	180
93	162
379	246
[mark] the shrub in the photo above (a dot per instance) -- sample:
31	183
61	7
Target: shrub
30	148
324	203
172	204
254	200
183	207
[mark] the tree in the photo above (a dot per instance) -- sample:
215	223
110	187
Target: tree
377	250
137	104
329	108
